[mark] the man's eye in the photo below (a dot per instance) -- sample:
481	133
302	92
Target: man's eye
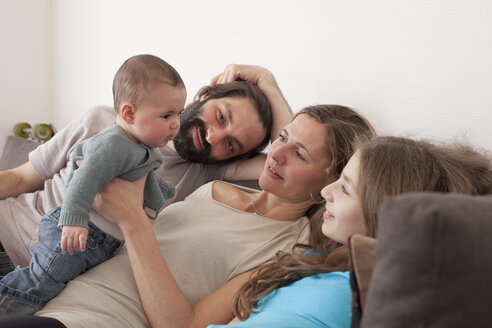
230	146
221	117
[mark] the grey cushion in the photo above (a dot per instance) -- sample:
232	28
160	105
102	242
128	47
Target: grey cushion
433	263
16	151
362	258
362	251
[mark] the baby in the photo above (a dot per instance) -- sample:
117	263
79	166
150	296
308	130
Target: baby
149	96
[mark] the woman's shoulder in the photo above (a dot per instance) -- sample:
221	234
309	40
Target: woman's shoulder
229	186
232	195
204	190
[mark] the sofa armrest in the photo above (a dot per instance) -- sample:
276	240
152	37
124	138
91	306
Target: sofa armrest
16	151
432	264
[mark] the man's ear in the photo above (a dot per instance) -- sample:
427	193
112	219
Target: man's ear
128	113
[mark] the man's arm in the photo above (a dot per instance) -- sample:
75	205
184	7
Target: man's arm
245	169
50	157
281	111
19	180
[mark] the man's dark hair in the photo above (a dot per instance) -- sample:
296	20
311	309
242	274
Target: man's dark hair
240	89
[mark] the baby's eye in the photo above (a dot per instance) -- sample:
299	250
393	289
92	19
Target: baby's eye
166	116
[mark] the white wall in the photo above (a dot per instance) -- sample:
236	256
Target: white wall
26	66
415	68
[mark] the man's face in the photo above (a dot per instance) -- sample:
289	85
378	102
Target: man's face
218	129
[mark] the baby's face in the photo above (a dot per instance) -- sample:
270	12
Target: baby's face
156	120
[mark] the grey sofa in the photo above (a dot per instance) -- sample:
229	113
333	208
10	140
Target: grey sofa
431	265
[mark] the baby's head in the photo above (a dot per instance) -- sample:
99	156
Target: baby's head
389	166
148	96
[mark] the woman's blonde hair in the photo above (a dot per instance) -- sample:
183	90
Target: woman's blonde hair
388	166
344	127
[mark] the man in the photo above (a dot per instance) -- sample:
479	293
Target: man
221	132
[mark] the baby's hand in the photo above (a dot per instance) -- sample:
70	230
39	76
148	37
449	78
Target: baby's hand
73	239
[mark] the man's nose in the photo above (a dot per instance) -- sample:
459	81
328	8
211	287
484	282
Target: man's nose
214	135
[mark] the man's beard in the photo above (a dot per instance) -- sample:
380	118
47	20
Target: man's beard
183	141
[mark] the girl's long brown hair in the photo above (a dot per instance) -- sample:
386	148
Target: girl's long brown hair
393	165
388	166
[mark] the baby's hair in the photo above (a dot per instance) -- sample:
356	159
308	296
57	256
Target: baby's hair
140	74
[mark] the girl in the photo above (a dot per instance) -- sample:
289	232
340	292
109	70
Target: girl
311	288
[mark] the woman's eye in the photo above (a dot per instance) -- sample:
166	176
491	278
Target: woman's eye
281	137
299	155
221	117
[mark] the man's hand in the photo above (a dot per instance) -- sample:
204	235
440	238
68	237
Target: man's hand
73	239
254	74
264	79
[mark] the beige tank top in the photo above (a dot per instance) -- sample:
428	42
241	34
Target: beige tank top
205	243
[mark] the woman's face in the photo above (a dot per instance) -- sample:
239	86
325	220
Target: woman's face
343	212
296	161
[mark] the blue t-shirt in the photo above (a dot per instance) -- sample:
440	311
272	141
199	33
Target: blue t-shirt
322	300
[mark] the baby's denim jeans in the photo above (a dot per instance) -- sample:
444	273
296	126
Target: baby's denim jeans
26	290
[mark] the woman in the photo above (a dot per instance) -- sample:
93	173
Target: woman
212	241
311	289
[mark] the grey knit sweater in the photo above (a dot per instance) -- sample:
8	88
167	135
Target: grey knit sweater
109	154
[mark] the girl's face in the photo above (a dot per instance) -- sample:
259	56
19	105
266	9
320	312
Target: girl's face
343	212
296	161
